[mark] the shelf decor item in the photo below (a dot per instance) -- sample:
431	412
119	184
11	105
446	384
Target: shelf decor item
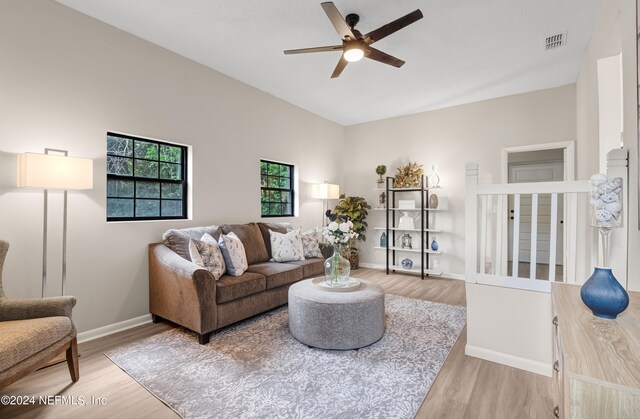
338	232
406	263
383	239
406	222
382	200
381	170
409	176
602	292
406	241
434	180
434	244
433	201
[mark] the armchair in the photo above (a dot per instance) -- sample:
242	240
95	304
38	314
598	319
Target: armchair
33	332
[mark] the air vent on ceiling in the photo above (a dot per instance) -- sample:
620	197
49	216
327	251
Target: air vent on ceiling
556	40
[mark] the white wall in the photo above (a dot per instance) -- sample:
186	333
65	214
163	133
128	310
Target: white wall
66	79
614	32
451	137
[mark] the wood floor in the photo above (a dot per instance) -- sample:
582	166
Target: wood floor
465	388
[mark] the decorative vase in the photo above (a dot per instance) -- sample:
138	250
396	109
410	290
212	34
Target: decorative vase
354	260
406	241
383	240
337	268
406	222
433	201
604	295
406	263
435	179
434	244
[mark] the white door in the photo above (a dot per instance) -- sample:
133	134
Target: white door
536	172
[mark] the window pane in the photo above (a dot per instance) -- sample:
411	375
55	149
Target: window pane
146	168
273	182
171	190
170	153
288	208
170	171
119	166
285	196
284	183
145	150
120	188
119	146
171	208
264	209
284	171
263	181
147	190
119	207
274	169
263	168
147	208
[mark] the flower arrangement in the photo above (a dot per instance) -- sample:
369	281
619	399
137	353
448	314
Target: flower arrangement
339	230
409	176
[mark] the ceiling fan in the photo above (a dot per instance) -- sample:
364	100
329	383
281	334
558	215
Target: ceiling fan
355	46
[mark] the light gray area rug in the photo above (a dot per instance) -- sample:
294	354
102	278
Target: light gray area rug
256	369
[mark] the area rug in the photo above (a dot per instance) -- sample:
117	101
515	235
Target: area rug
256	369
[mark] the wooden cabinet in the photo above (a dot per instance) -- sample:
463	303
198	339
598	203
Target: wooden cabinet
596	361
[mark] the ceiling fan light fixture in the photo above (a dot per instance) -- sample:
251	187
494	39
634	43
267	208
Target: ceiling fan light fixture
353	54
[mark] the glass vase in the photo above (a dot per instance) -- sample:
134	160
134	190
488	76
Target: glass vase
337	268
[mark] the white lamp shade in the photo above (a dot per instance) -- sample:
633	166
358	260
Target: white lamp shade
326	191
49	171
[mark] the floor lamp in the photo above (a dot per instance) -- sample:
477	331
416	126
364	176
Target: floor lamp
54	171
325	191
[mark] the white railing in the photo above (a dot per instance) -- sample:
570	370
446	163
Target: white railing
487	234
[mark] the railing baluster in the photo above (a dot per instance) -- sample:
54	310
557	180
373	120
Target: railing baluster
534	236
516	236
553	237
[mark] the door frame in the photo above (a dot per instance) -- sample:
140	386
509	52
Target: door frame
570	204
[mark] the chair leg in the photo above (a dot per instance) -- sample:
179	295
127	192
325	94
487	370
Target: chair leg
72	360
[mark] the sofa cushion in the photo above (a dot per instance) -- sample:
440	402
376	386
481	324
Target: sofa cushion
310	244
286	247
206	253
229	288
250	236
264	230
235	258
178	240
310	267
24	338
277	274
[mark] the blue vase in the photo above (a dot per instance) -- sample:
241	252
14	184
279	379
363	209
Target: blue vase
434	245
383	240
604	295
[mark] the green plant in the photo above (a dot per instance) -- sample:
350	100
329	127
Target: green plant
355	208
409	176
381	170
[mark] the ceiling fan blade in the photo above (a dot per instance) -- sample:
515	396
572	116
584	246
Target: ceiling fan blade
383	57
389	28
316	49
338	70
337	20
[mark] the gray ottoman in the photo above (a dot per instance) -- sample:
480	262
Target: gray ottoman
336	320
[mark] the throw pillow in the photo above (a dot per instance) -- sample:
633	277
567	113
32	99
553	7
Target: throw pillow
234	255
310	244
206	253
286	247
178	240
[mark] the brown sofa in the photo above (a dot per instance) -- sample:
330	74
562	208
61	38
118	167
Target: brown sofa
186	294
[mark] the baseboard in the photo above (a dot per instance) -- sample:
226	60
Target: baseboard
536	367
113	328
383	267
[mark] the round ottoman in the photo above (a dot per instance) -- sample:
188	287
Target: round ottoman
328	319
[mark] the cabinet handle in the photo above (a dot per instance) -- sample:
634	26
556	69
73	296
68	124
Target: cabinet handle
556	366
556	412
555	320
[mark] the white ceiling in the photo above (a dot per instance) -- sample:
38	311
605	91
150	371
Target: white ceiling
462	51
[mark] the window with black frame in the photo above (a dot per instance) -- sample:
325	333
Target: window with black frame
146	179
276	189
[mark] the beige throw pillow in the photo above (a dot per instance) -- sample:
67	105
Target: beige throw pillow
286	247
206	253
310	244
234	255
